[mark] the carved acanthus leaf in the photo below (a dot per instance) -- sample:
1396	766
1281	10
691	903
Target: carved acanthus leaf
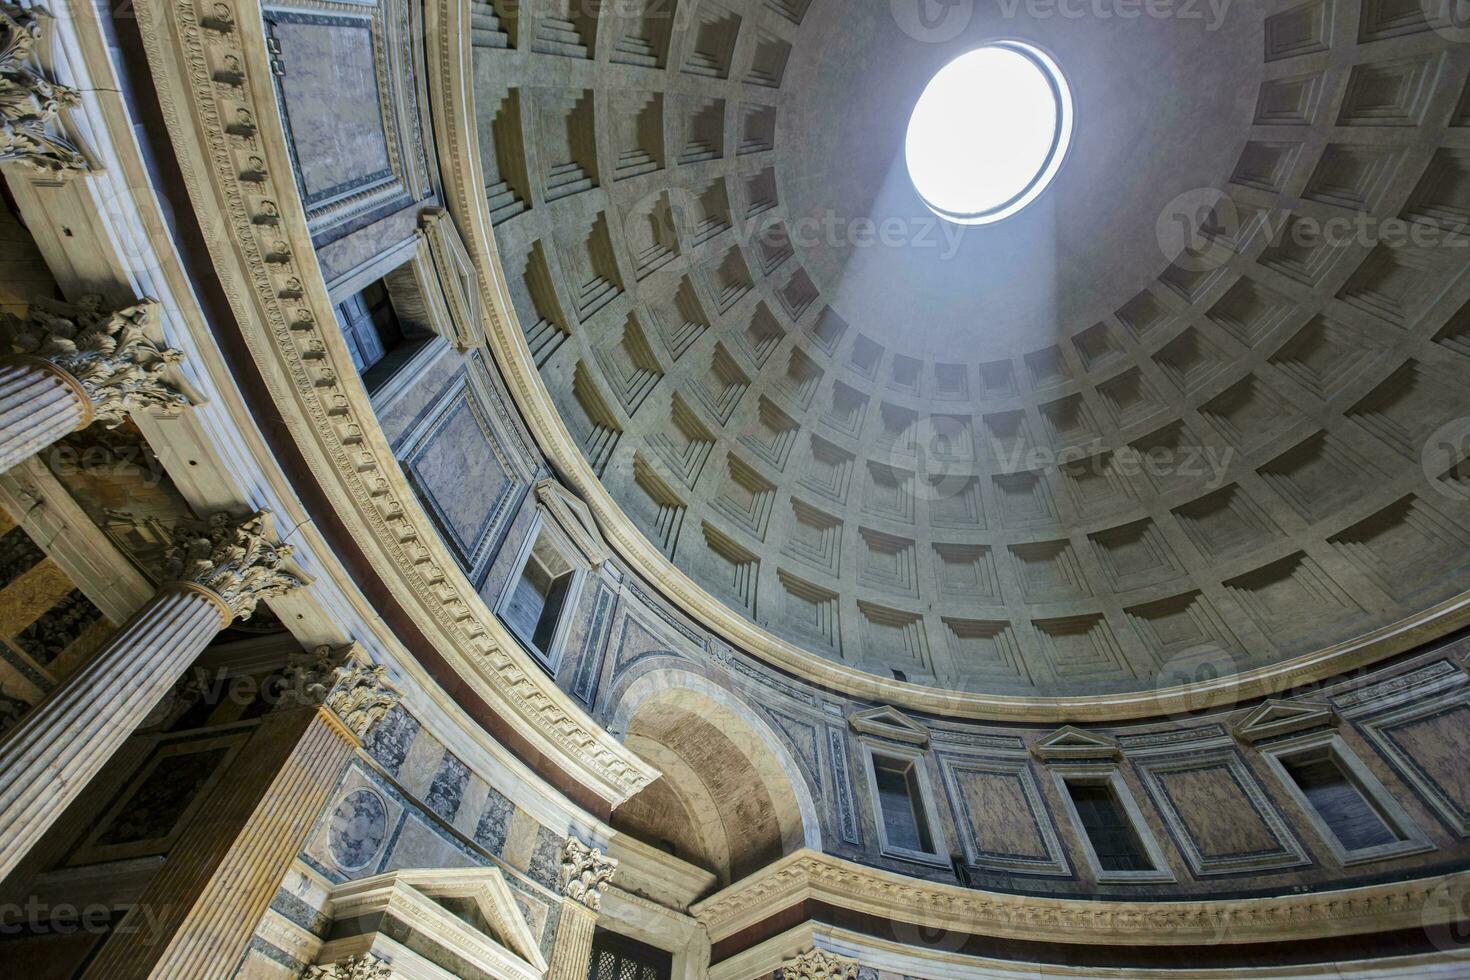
364	967
818	964
109	353
30	102
584	872
232	558
355	689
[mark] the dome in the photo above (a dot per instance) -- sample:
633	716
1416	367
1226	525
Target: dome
1176	415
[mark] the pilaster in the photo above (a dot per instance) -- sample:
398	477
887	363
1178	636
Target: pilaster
585	871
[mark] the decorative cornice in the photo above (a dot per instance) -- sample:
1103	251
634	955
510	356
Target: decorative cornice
585	871
30	103
108	354
348	684
232	559
363	967
236	163
818	964
807	875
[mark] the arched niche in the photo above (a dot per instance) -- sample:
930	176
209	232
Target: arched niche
731	797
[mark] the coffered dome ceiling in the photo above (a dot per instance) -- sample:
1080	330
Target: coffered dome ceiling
1049	456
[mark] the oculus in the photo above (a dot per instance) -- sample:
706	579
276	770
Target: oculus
989	132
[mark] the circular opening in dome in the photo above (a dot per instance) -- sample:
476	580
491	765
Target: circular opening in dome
989	132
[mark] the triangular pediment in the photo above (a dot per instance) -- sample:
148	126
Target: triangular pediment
449	902
890	723
575	519
1273	717
1076	743
456	273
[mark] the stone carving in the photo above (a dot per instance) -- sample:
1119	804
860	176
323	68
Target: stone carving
29	101
109	353
818	964
354	689
364	967
359	827
232	558
584	872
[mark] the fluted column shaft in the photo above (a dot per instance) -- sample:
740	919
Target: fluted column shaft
39	404
571	951
203	906
51	756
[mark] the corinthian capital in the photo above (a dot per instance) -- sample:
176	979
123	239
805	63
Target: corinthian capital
355	689
364	967
108	353
231	558
29	101
818	964
584	872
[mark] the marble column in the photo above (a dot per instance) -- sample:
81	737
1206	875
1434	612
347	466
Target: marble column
215	572
196	917
585	871
69	365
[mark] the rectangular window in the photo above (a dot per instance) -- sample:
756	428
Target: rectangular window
1339	802
901	805
369	325
1355	815
378	340
617	957
1111	834
534	608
